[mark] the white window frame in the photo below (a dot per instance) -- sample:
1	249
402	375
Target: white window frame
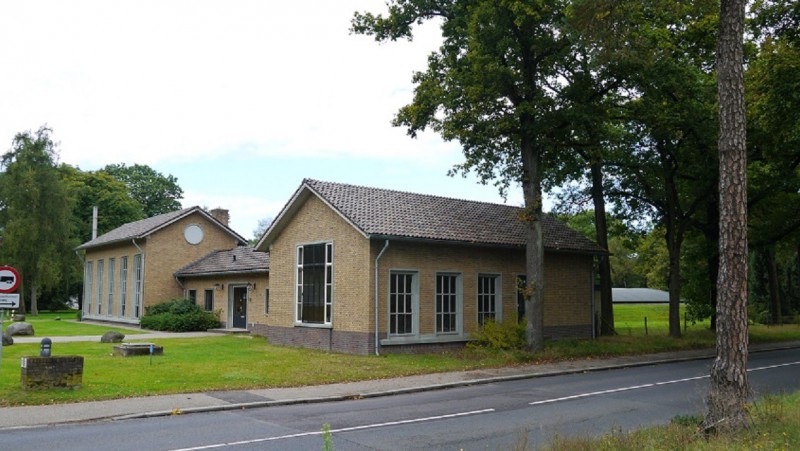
454	297
137	285
87	289
497	295
100	294
112	267
327	286
414	314
123	285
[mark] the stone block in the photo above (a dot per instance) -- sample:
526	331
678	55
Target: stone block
42	373
20	329
112	337
134	349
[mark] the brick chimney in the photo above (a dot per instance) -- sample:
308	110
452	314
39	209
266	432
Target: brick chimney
221	215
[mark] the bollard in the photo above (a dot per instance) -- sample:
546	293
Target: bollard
47	346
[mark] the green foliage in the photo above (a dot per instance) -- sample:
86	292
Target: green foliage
155	192
178	315
506	335
99	189
36	218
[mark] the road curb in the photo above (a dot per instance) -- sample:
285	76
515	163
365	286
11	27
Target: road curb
431	387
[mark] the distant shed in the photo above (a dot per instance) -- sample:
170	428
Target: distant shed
639	296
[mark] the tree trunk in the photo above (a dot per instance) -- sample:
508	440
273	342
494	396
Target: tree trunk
601	229
534	251
34	301
674	238
729	387
774	287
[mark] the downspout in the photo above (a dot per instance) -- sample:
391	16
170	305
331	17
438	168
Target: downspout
141	298
377	303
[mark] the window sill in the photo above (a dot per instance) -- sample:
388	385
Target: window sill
424	339
313	325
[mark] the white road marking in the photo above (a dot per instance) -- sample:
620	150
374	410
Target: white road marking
333	431
654	384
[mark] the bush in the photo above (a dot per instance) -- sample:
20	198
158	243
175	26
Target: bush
178	315
508	335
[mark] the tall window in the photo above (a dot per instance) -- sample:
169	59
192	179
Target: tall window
447	300
87	290
208	301
193	296
266	301
111	268
123	284
137	285
487	298
100	293
403	294
314	291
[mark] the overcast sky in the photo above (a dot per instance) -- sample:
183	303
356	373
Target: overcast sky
240	100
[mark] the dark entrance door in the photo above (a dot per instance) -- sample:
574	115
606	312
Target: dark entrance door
239	307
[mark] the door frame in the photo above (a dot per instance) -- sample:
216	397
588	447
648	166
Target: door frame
232	287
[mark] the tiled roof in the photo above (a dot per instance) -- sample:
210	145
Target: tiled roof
144	227
382	213
235	261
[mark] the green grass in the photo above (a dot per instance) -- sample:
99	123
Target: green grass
216	363
244	362
629	319
775	425
65	324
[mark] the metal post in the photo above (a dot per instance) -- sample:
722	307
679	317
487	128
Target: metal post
645	326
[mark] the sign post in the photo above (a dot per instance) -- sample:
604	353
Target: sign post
9	282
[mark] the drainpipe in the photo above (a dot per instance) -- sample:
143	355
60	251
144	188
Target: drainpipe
141	298
377	303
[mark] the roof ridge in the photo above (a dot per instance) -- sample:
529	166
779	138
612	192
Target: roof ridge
397	191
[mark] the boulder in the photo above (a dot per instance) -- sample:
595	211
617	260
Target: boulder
7	340
22	328
112	337
18	317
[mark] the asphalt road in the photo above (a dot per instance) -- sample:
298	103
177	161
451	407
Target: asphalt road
508	415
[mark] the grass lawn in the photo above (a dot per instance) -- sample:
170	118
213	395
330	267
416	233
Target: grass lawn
630	319
775	425
243	362
65	324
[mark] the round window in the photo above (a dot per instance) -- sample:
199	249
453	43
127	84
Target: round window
193	234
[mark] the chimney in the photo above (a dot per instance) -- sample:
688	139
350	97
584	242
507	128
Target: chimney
94	222
221	215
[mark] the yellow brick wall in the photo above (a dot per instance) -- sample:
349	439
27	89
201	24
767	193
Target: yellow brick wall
165	251
567	276
221	294
104	254
315	222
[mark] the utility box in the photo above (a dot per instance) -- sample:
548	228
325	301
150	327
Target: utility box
41	373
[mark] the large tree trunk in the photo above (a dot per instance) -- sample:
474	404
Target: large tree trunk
534	251
729	387
601	229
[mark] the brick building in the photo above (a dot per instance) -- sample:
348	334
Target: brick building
132	266
362	270
234	283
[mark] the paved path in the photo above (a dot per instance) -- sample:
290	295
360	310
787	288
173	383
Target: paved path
29	416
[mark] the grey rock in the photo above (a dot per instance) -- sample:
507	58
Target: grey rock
18	317
7	339
112	337
21	328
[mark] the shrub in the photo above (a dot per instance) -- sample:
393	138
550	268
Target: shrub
178	315
509	334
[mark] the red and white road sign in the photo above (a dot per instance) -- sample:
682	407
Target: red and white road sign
9	279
